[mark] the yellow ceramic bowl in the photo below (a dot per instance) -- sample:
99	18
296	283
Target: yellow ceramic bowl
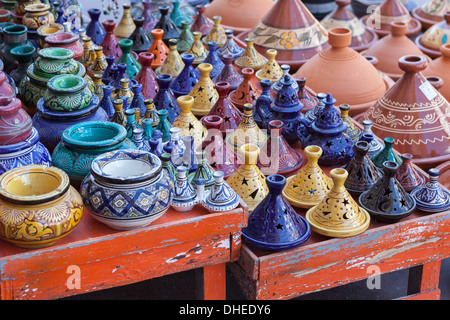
37	206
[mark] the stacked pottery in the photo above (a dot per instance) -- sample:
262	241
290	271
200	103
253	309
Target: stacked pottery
6	90
414	114
437	35
438	68
432	197
66	40
67	101
46	30
19	144
36	15
81	143
349	76
44	205
127	189
431	12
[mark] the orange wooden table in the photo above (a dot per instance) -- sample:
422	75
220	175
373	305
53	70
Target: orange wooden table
95	257
418	242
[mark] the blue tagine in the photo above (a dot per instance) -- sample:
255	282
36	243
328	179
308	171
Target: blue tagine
431	197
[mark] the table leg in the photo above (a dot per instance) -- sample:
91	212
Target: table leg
211	282
424	280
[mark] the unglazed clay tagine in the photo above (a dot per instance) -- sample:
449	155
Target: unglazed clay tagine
438	68
437	35
431	12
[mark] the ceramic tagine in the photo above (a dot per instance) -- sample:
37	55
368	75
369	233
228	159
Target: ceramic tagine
414	114
38	206
164	23
204	92
184	195
110	42
164	98
95	30
201	23
431	12
310	185
198	49
146	76
178	16
221	197
186	38
262	111
250	58
274	224
352	129
230	46
362	37
127	189
246	92
229	73
271	70
350	77
379	20
158	48
438	68
432	197
248	181
291	29
386	200
187	122
408	176
204	171
213	59
173	64
376	144
186	79
437	35
338	214
387	154
149	19
306	98
327	131
126	26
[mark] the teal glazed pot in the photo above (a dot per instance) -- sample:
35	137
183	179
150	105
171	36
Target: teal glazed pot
81	143
14	36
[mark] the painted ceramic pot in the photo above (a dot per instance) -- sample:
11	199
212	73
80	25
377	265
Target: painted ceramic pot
201	23
158	48
376	144
198	49
276	86
186	38
37	15
408	176
165	99
173	64
271	70
230	47
352	129
217	33
250	58
67	93
432	197
213	59
70	41
14	36
432	39
308	100
141	39
177	15
99	65
126	26
26	152
95	30
387	154
263	106
127	189
274	224
338	214
246	92
15	123
82	142
149	19
184	194
204	92
386	200
204	171
46	30
133	67
4	15
413	113
438	67
221	197
146	76
38	206
110	41
431	12
164	23
229	73
186	79
6	90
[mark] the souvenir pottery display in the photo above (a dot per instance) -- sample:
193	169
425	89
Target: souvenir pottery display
431	197
164	98
164	23
362	37
184	195
127	189
173	64
186	38
263	105
37	15
328	131
187	122
407	175
141	39
126	26
239	16
158	48
15	123
438	67
49	29
38	206
221	196
66	40
362	172
389	49
271	70
352	130
95	30
133	67
204	92
230	47
110	43
198	49
310	185
219	156
248	181
229	73
338	214
413	113
204	171
276	155
186	79
437	35
246	91
247	132
306	99
213	59
350	77
250	58
386	200
291	29
226	110
146	76
431	12
201	23
82	142
376	144
379	20
217	33
274	224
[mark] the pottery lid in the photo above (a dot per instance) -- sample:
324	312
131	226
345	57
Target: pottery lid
328	120
221	194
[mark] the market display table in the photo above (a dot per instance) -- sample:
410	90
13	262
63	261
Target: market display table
95	257
418	242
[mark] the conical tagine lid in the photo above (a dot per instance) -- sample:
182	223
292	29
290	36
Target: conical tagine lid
431	12
338	214
415	115
432	39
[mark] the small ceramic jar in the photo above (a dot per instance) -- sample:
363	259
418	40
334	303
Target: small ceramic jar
47	30
127	189
37	15
37	206
68	40
15	123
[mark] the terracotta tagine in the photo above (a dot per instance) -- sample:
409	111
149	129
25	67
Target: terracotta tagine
158	48
432	197
431	12
204	92
408	176
438	67
362	37
239	15
291	29
350	77
437	35
379	20
50	208
338	214
414	114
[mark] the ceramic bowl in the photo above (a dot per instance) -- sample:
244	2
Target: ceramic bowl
127	189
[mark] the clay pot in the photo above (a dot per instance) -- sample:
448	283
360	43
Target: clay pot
147	76
4	15
66	40
239	15
431	12
245	92
439	67
349	76
414	114
432	39
388	11
46	30
15	123
37	15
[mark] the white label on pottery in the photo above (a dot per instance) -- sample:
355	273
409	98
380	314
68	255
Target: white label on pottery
428	90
